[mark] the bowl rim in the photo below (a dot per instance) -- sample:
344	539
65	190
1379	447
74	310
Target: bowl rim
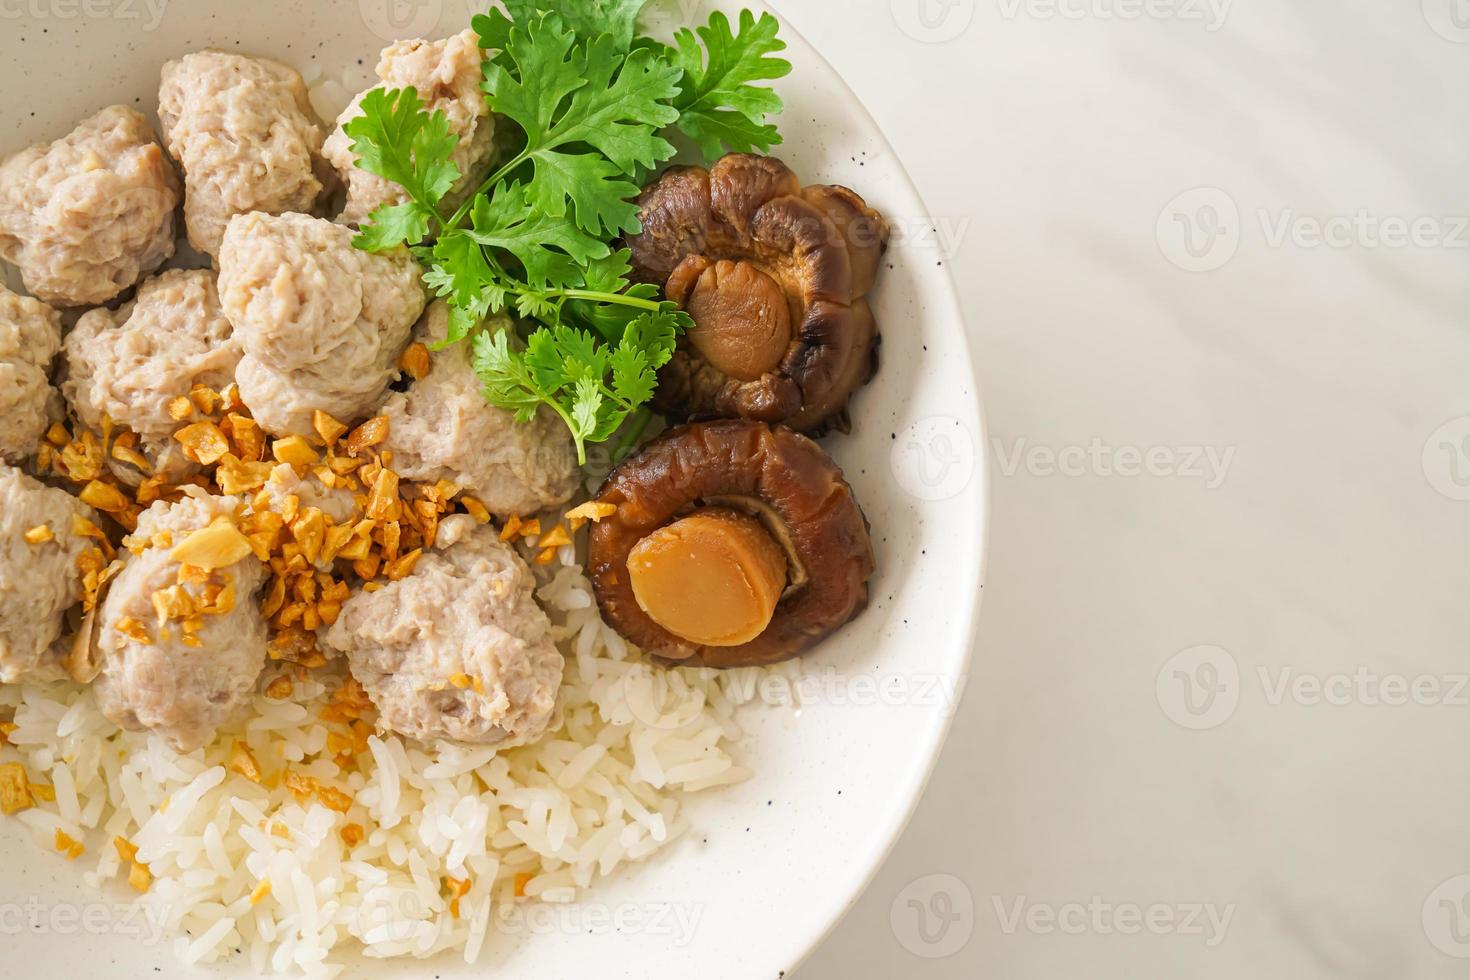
927	755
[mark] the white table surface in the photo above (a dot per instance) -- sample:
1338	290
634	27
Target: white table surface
1299	809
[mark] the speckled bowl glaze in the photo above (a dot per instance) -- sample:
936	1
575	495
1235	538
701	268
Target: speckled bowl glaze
773	863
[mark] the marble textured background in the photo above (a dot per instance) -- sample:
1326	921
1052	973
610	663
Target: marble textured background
1216	263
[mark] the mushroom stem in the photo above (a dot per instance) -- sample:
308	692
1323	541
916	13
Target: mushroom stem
712	578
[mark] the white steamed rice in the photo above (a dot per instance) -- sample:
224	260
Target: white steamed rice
604	789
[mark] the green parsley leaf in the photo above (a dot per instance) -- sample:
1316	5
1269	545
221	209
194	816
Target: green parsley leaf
593	389
586	18
393	224
508	384
610	273
461	274
462	324
397	140
551	250
568	97
634	379
587	408
718	105
657	334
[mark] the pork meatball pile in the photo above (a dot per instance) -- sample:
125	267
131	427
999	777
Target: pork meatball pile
222	481
30	335
459	649
322	323
129	364
243	131
85	217
39	575
446	75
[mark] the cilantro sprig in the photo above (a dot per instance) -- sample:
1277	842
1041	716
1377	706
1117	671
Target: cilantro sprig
397	140
592	102
719	103
591	385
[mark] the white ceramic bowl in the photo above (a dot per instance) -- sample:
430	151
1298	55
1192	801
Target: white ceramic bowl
773	863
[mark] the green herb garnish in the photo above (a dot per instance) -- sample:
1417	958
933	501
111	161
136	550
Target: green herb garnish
592	101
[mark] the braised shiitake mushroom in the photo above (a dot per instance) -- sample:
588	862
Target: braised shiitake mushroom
733	543
774	275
